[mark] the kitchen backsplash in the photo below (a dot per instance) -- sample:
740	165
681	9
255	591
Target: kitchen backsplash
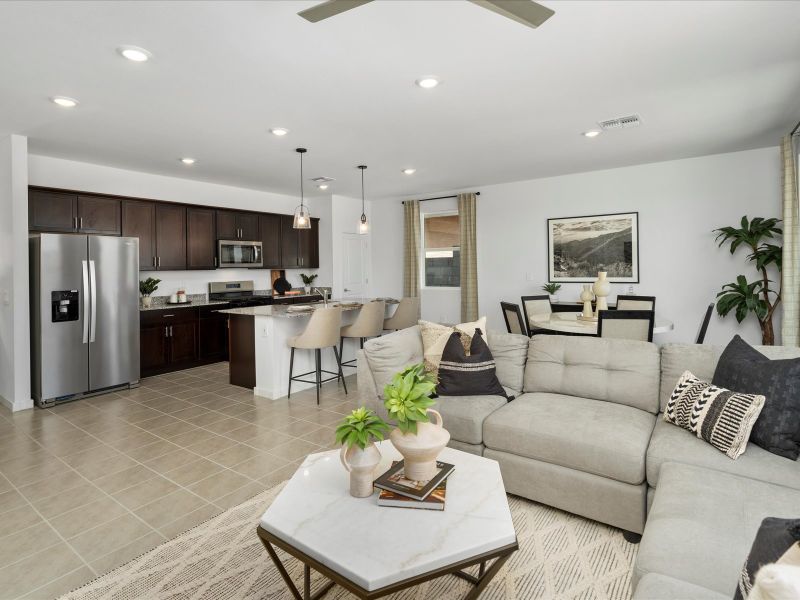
196	282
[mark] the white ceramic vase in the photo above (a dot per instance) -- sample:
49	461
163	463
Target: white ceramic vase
553	298
421	449
361	465
147	301
307	289
586	298
602	288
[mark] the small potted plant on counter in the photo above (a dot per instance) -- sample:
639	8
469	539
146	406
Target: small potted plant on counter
552	289
146	289
358	433
408	400
307	281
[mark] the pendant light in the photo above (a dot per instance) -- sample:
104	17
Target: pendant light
363	226
302	218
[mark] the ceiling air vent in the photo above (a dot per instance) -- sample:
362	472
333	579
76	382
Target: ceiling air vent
620	122
322	179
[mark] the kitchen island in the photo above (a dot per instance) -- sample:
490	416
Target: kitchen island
259	345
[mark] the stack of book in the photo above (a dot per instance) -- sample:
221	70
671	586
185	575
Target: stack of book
400	492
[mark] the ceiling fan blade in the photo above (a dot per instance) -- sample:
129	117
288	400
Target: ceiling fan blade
526	12
330	8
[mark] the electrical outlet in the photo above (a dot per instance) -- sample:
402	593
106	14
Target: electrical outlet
529	276
264	331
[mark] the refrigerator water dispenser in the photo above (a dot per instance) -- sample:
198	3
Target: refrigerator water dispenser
64	304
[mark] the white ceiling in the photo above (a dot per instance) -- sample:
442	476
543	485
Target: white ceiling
706	77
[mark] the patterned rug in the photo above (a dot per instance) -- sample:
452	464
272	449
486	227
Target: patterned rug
561	556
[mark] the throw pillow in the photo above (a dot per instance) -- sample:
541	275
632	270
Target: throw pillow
473	375
435	336
773	538
776	582
743	368
718	416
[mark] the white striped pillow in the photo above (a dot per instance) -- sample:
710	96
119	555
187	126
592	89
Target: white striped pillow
721	417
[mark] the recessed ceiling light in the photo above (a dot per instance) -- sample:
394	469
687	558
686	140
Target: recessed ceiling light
591	133
279	131
65	101
428	82
134	53
324	186
188	161
409	171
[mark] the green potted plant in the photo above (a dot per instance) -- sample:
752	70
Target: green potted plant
357	433
758	297
552	289
146	289
307	281
408	401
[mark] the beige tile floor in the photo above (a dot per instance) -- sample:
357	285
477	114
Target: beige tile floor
88	485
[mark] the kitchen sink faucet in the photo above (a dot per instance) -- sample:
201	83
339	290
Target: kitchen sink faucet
324	293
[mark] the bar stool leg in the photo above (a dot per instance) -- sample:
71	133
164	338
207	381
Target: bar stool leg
340	355
291	366
339	362
361	342
317	353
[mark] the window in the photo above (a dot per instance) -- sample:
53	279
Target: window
441	238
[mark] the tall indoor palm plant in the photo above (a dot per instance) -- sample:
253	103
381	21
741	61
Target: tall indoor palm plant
757	297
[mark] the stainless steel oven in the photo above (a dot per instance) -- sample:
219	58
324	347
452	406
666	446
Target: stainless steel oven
236	253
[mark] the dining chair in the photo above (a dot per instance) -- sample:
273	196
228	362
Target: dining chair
628	302
626	324
701	335
513	317
535	305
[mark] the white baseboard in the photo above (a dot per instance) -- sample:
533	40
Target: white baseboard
15	406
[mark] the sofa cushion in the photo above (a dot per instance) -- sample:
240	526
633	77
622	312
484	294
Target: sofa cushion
619	371
389	354
602	438
464	415
435	336
702	523
655	586
672	444
702	361
510	352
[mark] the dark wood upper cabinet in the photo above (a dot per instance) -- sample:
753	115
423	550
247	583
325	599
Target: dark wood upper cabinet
248	226
226	225
170	237
270	227
290	258
139	221
237	225
99	215
201	238
52	211
308	241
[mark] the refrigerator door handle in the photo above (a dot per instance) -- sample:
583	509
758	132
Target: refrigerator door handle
85	278
93	293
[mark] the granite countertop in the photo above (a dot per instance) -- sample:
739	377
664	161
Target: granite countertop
279	310
160	302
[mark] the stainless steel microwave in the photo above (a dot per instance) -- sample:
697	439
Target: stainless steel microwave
239	253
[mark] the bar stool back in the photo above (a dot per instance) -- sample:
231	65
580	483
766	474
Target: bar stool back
321	332
405	315
368	323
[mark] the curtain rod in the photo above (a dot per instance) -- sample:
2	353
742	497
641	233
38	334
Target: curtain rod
440	198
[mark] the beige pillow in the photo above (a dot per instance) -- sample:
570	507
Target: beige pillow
435	336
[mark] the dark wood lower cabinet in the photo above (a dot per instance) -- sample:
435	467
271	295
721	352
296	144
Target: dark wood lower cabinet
243	352
172	339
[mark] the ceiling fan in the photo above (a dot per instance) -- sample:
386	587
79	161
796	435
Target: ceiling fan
527	12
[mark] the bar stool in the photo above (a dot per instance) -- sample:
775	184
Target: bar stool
321	332
406	315
368	323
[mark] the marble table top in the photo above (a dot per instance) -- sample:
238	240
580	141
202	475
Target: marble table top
375	546
569	322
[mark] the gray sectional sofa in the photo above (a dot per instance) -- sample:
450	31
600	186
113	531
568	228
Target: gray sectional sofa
585	434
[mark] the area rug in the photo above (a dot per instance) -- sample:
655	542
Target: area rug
561	556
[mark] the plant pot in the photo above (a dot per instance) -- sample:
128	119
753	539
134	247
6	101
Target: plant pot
147	301
361	465
420	450
307	289
553	298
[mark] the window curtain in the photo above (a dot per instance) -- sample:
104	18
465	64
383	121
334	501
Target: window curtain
790	272
411	243
469	258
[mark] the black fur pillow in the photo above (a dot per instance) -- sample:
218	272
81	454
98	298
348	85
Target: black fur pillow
473	375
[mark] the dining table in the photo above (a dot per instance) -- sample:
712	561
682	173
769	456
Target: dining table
568	322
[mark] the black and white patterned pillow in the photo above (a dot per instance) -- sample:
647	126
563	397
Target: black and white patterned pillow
721	417
473	375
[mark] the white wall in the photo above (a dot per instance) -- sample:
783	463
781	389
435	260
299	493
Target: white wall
345	217
15	376
386	225
679	204
69	174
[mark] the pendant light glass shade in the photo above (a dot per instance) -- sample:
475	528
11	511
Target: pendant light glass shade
302	216
363	225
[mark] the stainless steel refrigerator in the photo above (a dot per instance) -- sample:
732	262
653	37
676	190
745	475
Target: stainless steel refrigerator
84	315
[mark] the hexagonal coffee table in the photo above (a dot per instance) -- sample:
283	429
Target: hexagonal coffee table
372	550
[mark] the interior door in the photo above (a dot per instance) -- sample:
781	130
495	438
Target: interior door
114	318
355	282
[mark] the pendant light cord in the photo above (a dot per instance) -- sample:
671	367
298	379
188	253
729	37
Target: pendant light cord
363	213
301	180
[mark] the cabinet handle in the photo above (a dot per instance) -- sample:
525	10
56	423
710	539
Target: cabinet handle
165	316
154	261
81	225
166	331
215	261
159	261
170	331
75	219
